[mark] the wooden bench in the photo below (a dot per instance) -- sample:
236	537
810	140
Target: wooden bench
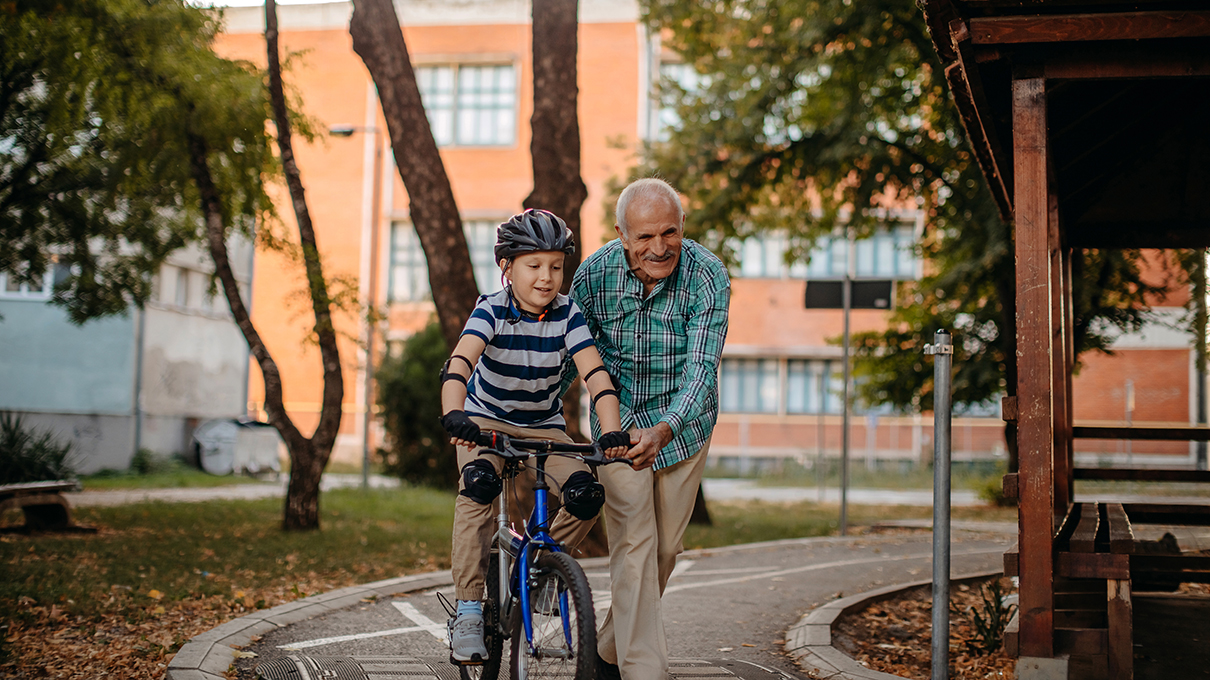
1093	612
43	504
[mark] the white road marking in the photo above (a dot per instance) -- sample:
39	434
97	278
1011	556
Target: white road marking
815	567
680	568
425	623
348	638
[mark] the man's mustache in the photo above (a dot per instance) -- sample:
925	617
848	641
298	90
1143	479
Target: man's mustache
659	258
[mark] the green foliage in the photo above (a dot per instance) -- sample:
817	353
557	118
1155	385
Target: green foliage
409	394
818	115
101	100
30	454
989	624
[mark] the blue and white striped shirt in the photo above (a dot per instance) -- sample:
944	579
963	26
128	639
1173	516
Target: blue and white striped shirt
517	378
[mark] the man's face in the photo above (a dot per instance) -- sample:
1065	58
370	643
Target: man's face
653	238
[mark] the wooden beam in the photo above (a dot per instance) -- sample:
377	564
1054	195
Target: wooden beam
1009	486
1093	565
1140	433
1060	372
1168	513
1121	634
1121	534
1084	538
1134	66
1143	474
967	86
1086	27
1036	513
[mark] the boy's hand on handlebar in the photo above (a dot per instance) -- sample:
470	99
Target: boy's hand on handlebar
463	431
614	444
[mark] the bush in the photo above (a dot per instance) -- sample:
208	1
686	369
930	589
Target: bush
31	455
991	491
409	394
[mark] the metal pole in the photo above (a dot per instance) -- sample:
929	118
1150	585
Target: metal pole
943	358
847	297
371	288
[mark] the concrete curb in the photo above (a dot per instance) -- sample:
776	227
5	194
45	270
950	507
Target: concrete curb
809	642
209	655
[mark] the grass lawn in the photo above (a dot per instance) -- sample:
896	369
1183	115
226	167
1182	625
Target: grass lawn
126	598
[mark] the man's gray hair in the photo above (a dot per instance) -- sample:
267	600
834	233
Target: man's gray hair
648	188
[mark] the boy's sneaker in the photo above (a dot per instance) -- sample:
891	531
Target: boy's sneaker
466	637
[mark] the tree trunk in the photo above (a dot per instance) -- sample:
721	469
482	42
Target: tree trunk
307	460
378	40
555	141
302	501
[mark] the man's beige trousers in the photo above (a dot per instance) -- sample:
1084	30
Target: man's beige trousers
646	514
475	524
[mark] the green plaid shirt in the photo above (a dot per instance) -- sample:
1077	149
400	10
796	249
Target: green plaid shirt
663	352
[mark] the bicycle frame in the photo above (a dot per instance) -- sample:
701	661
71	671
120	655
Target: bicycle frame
521	548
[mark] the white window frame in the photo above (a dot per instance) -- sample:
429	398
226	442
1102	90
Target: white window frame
458	117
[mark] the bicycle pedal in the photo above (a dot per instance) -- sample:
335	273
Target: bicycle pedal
474	661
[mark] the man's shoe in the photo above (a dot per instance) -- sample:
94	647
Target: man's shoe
606	670
466	638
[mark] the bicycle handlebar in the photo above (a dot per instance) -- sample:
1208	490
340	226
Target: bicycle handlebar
508	447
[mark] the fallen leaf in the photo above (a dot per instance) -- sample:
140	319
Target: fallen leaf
155	594
245	655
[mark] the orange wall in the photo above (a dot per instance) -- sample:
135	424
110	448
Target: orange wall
487	181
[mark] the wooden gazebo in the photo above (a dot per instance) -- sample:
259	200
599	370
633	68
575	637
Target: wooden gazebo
1091	122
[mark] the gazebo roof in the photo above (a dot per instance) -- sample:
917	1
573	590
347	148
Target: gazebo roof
1128	100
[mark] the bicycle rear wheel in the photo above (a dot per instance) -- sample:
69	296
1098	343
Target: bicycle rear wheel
564	624
493	632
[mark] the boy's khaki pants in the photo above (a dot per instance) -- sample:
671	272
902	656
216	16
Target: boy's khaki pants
646	514
475	524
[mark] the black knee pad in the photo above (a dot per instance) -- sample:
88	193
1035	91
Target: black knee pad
480	482
583	495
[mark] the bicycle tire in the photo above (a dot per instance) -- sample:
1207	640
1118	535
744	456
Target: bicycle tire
493	632
556	573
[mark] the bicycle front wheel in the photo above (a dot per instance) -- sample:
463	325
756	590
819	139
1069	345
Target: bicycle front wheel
493	632
564	624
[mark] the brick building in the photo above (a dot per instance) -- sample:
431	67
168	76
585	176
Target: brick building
780	375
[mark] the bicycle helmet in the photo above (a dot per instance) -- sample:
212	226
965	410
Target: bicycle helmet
533	231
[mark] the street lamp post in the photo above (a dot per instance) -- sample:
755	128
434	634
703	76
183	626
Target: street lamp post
371	290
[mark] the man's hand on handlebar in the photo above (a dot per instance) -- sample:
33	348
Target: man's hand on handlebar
614	444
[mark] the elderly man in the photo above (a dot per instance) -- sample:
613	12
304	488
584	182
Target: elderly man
656	303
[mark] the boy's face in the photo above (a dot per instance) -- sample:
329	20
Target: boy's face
536	279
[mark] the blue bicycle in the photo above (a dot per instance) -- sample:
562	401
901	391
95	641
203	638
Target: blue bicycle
537	595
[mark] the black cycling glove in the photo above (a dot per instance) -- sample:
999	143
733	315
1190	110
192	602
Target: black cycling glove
460	426
611	440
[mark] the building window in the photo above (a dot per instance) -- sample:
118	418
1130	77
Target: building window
887	254
40	288
814	386
749	386
409	274
675	78
470	105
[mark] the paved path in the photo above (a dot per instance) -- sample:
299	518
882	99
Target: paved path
727	611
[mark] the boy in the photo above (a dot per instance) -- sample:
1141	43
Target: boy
504	375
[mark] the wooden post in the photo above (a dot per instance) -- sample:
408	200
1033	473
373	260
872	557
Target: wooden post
1060	369
1035	382
1069	326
